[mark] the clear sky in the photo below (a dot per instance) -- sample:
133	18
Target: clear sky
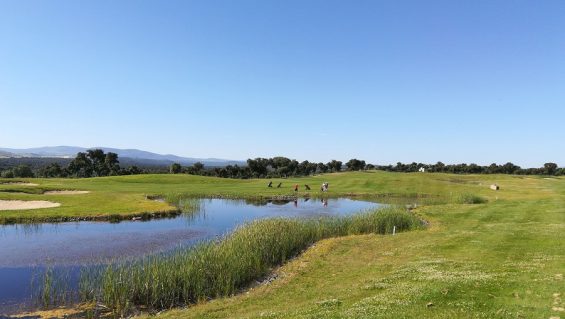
383	81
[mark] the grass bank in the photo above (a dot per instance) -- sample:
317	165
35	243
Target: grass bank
123	197
222	268
500	259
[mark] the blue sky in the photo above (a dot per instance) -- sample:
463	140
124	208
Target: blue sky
384	81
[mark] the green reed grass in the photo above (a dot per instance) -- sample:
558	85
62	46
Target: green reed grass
50	287
223	267
467	198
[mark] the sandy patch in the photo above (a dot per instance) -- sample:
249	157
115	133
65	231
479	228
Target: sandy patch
65	192
55	313
26	204
19	183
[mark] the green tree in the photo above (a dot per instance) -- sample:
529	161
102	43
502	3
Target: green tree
355	165
81	166
493	169
321	168
306	168
97	158
258	166
94	163
112	164
439	167
51	170
175	168
509	168
23	171
133	170
198	166
334	166
550	168
7	173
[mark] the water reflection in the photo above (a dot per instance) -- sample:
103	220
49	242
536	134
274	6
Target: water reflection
26	248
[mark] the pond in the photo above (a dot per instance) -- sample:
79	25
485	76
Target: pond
26	250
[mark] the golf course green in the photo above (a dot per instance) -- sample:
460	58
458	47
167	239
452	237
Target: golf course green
483	254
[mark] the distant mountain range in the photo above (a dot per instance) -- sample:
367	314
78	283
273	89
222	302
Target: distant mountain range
131	154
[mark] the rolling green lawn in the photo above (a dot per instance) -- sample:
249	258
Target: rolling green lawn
126	195
501	259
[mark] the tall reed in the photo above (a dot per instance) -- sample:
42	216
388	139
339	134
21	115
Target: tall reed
50	287
222	267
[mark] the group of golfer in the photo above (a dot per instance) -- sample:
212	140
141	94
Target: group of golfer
323	188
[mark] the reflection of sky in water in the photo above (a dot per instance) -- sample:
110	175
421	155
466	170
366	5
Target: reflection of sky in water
89	242
75	243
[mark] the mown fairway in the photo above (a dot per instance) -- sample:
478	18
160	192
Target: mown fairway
501	259
126	195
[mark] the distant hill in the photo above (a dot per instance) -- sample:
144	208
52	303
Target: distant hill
132	155
4	154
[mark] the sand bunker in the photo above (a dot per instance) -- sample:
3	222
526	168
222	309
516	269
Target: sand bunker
18	183
65	192
26	204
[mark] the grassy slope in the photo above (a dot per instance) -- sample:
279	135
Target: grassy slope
501	259
126	194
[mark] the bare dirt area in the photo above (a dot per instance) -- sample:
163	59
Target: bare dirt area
55	313
65	192
26	204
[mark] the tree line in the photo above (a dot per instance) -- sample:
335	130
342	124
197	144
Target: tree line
92	163
278	167
508	168
95	162
275	167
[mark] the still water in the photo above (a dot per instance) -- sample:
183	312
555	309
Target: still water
25	250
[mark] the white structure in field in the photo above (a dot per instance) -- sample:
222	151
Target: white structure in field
494	187
422	170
